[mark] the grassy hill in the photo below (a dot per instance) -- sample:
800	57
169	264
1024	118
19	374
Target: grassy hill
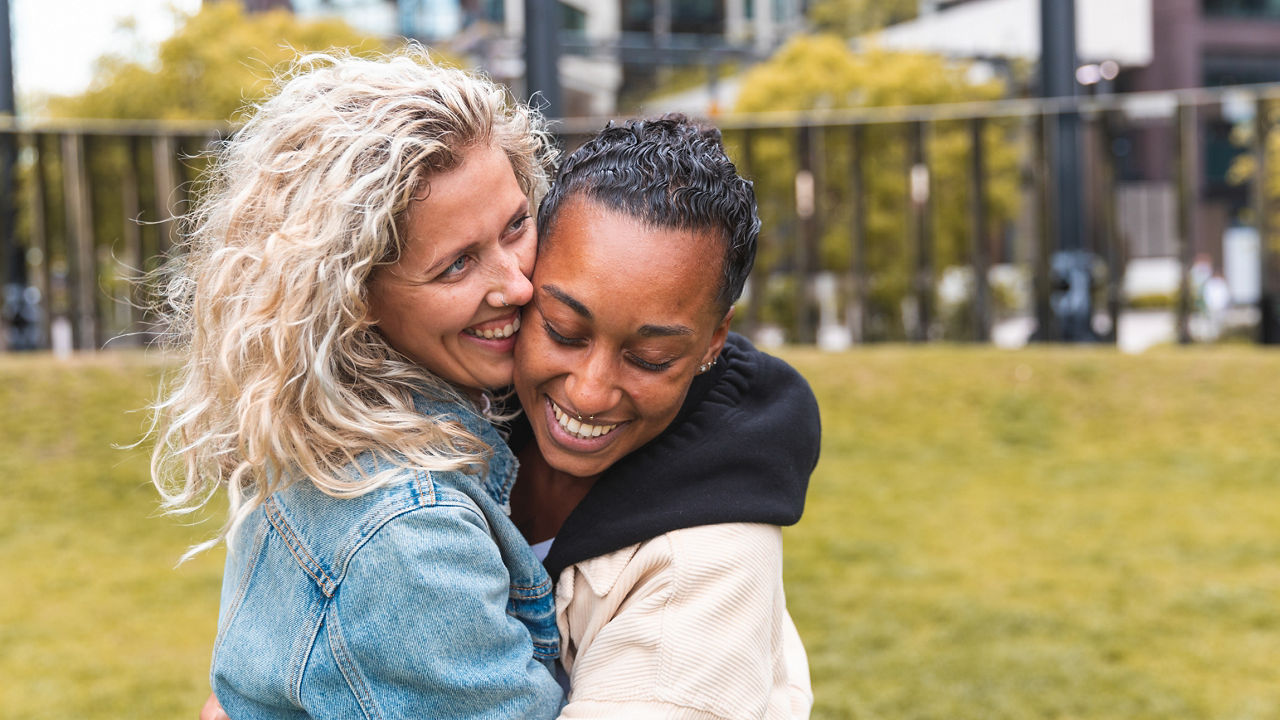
1065	533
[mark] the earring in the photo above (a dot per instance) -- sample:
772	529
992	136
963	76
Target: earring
707	365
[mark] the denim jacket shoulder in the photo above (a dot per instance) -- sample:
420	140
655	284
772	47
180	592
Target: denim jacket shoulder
419	598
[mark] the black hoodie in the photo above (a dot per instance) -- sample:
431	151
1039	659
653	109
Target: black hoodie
740	450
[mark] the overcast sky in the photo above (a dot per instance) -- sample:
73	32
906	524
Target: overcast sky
56	41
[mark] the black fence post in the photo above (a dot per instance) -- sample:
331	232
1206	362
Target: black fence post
918	202
759	278
166	189
858	235
80	250
132	234
1185	152
39	237
978	229
1269	298
1105	192
13	256
806	210
1046	320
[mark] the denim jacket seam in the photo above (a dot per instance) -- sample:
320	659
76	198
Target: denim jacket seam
374	520
355	680
367	534
304	658
295	545
542	590
243	587
368	522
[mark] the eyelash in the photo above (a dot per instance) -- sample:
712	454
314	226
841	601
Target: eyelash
577	342
449	272
648	366
558	338
518	225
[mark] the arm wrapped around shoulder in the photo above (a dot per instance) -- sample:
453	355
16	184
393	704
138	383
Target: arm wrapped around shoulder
419	627
692	624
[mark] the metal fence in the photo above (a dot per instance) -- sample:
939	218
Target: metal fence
95	205
919	223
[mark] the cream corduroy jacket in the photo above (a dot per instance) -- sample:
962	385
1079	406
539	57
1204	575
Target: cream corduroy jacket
691	625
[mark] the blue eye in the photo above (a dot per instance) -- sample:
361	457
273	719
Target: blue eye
458	266
519	222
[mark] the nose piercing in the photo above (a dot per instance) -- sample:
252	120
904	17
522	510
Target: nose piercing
502	300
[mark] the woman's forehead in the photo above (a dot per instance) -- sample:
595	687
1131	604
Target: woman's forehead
603	257
588	233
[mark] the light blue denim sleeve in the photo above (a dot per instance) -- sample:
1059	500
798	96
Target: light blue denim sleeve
443	646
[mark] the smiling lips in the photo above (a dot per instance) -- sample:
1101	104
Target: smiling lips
576	427
501	333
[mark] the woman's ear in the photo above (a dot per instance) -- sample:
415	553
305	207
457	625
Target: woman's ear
718	337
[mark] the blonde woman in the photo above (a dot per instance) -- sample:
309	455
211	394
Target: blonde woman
349	295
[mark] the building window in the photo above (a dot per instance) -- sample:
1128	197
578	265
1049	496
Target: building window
1242	8
694	17
572	19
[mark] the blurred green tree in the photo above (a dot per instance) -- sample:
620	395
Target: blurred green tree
218	63
220	59
850	18
1244	167
821	72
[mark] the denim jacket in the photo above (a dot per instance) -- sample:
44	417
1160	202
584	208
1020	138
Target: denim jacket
418	599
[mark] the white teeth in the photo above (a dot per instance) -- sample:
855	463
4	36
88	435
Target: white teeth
577	427
505	331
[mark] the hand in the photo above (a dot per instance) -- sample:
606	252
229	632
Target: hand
212	710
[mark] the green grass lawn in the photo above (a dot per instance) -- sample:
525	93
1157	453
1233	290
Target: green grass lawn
1051	533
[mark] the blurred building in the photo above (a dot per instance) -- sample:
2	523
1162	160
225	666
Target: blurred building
1202	43
610	48
1157	45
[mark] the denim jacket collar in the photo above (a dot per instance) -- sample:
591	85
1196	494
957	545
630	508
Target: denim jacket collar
502	463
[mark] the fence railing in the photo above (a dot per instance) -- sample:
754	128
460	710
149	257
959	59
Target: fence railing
916	223
95	207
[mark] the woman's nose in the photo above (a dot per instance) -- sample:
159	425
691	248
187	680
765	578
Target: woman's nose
591	388
512	286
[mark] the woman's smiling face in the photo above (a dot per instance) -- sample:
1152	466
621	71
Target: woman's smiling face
451	301
622	316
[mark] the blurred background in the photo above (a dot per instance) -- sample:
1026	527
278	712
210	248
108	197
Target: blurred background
1085	527
988	170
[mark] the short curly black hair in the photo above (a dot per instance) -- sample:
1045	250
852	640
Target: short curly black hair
669	173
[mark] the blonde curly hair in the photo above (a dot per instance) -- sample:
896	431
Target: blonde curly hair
284	377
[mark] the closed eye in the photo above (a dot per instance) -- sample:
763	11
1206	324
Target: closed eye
649	366
560	339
